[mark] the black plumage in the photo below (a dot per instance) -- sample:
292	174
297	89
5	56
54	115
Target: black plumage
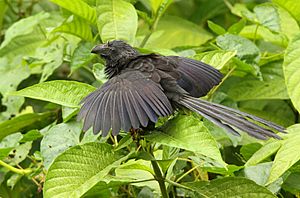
142	88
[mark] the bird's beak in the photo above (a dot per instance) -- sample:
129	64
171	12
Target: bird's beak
99	49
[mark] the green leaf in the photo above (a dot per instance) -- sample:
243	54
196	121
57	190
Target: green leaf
277	111
249	89
3	8
267	16
219	30
31	136
272	87
228	187
260	173
187	132
216	58
174	32
264	152
19	153
137	170
292	70
249	149
66	93
261	32
12	74
26	122
237	27
287	155
79	8
76	26
80	168
276	19
51	55
246	49
159	5
59	138
24	36
98	71
82	55
290	5
117	20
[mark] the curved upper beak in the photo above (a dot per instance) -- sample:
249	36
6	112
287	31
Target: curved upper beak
99	48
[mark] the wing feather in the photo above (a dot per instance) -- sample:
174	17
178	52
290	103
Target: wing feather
126	101
197	78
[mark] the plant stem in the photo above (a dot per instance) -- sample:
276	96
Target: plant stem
188	172
15	170
159	177
152	29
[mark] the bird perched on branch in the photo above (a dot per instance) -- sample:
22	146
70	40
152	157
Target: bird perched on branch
142	88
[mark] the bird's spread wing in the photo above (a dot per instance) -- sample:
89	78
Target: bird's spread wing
127	100
197	78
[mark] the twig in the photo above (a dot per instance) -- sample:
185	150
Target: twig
15	170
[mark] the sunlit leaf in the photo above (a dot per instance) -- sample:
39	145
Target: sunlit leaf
117	20
219	30
287	155
24	36
264	152
292	70
217	58
290	5
76	26
188	133
66	93
175	32
80	168
246	50
79	8
59	138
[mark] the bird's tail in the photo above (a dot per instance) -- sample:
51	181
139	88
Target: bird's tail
228	118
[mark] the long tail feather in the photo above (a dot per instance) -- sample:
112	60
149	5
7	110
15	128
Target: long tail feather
229	119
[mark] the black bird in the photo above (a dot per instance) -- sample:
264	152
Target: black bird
142	88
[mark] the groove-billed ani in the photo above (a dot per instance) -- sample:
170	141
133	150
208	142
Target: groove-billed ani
142	88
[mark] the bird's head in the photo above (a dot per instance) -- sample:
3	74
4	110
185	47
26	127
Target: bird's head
116	53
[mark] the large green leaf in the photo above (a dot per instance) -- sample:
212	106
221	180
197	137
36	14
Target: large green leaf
188	133
26	122
80	168
66	93
261	32
230	187
76	26
82	55
59	138
216	58
266	151
246	49
12	74
256	89
287	155
292	70
117	20
276	19
290	5
79	8
271	87
24	36
51	56
175	32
